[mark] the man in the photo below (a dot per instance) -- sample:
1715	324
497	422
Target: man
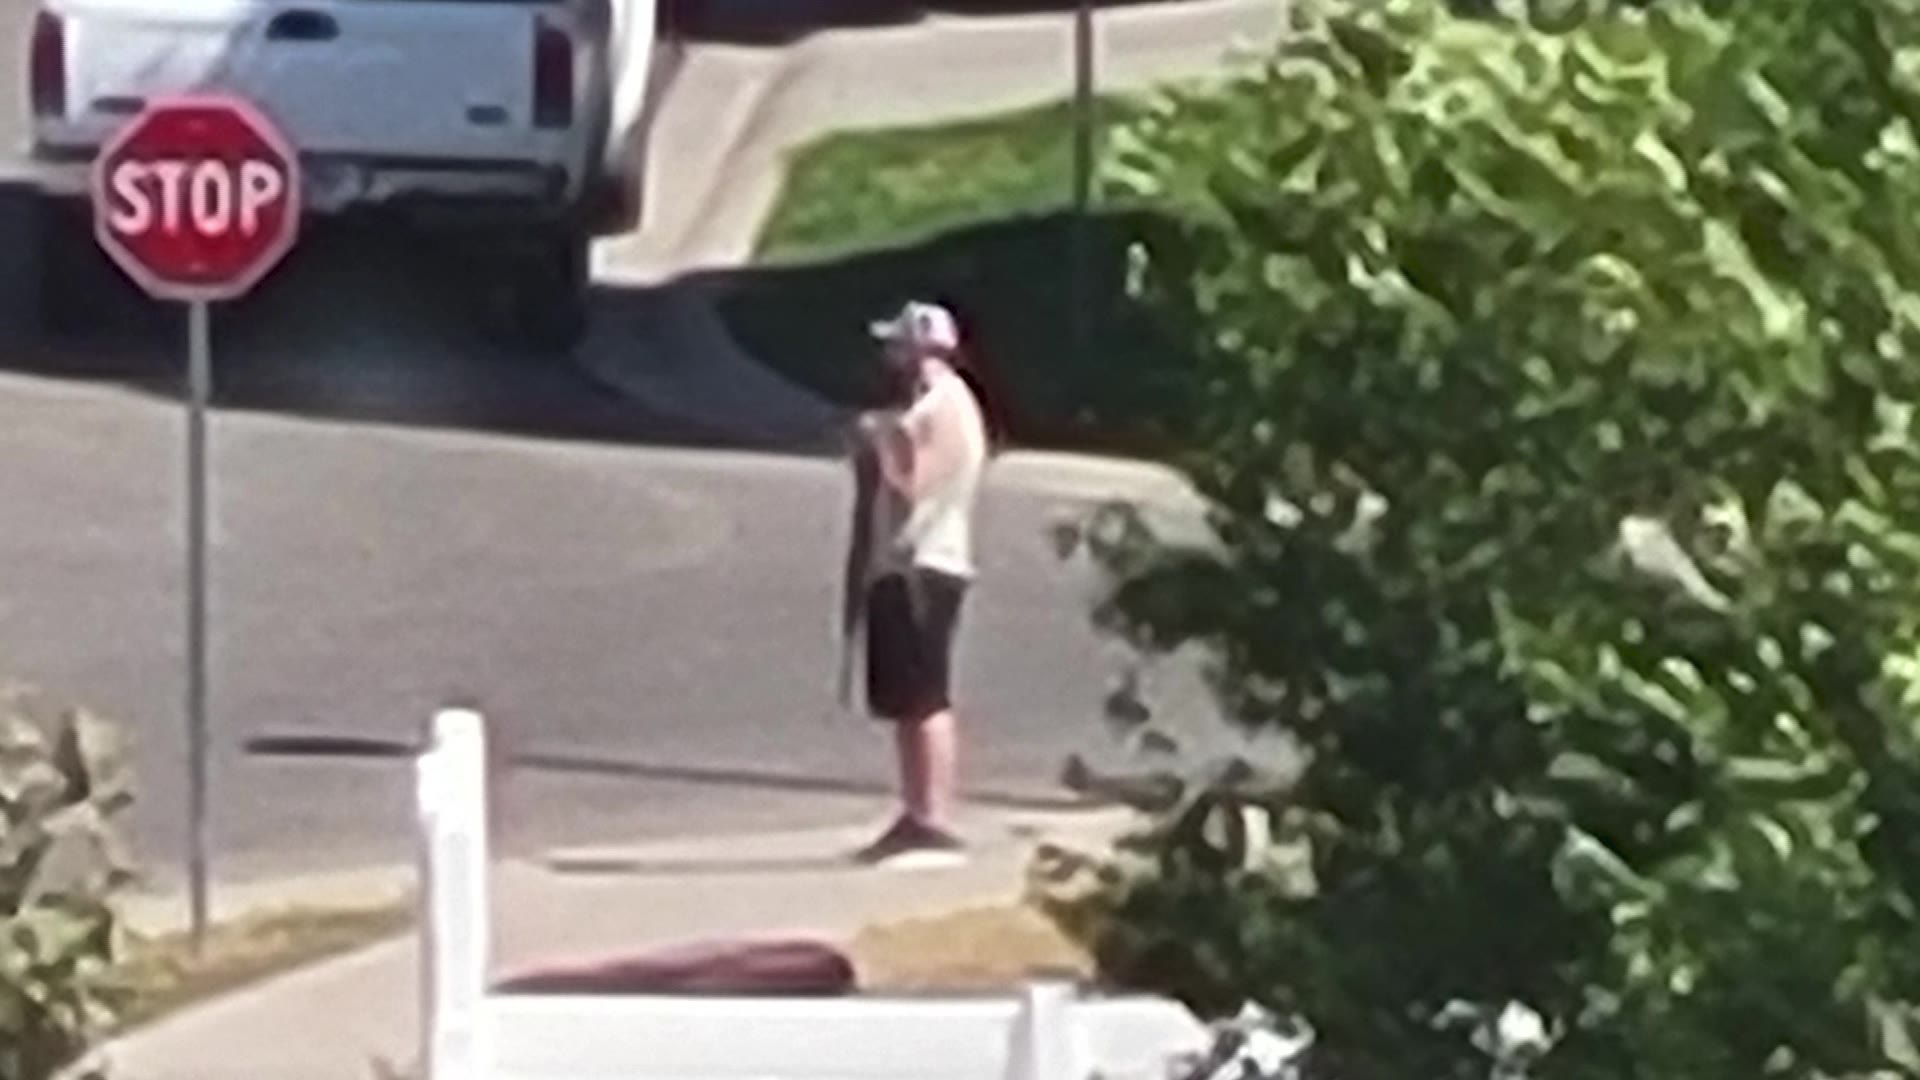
918	473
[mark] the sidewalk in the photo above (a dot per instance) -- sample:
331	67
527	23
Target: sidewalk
335	1020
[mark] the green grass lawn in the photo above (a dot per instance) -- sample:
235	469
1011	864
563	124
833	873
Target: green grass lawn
861	190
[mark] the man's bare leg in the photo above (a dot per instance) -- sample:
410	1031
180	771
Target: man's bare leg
923	835
929	764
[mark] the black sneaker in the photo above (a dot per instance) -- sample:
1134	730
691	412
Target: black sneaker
910	844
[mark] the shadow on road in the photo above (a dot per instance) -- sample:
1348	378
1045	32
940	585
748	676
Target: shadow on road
768	780
357	326
1010	282
348	747
364	326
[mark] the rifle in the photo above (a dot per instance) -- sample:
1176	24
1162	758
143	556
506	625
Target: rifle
853	593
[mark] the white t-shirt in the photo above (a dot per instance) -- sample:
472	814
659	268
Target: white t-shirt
936	531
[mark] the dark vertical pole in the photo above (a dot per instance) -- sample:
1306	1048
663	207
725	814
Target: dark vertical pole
1083	146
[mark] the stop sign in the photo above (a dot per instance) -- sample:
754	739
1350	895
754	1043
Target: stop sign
197	198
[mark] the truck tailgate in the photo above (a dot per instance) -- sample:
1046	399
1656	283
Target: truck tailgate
409	78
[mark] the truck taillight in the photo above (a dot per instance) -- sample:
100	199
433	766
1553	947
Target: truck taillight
47	66
552	77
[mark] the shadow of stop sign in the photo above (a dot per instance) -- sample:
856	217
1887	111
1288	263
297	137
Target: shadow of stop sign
197	198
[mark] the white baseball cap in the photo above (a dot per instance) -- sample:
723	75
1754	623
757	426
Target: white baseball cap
924	326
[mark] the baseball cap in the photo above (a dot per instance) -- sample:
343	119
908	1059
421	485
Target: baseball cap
922	325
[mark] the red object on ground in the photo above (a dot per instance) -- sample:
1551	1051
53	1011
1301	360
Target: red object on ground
716	968
197	198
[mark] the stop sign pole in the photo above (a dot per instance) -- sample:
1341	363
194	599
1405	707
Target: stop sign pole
197	199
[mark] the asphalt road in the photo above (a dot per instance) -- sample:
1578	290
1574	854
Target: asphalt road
407	514
405	517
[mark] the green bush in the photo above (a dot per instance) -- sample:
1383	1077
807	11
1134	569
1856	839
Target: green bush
1558	395
60	787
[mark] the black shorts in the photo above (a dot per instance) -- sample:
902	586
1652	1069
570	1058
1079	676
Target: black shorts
910	638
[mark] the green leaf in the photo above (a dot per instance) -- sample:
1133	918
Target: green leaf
1791	780
1894	1025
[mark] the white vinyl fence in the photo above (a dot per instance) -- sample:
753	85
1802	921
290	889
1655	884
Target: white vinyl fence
471	1032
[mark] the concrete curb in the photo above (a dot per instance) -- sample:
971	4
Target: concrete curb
152	913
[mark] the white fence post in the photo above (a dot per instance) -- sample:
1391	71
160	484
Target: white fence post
1047	1044
455	922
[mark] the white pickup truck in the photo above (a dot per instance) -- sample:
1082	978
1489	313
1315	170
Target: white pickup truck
489	119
